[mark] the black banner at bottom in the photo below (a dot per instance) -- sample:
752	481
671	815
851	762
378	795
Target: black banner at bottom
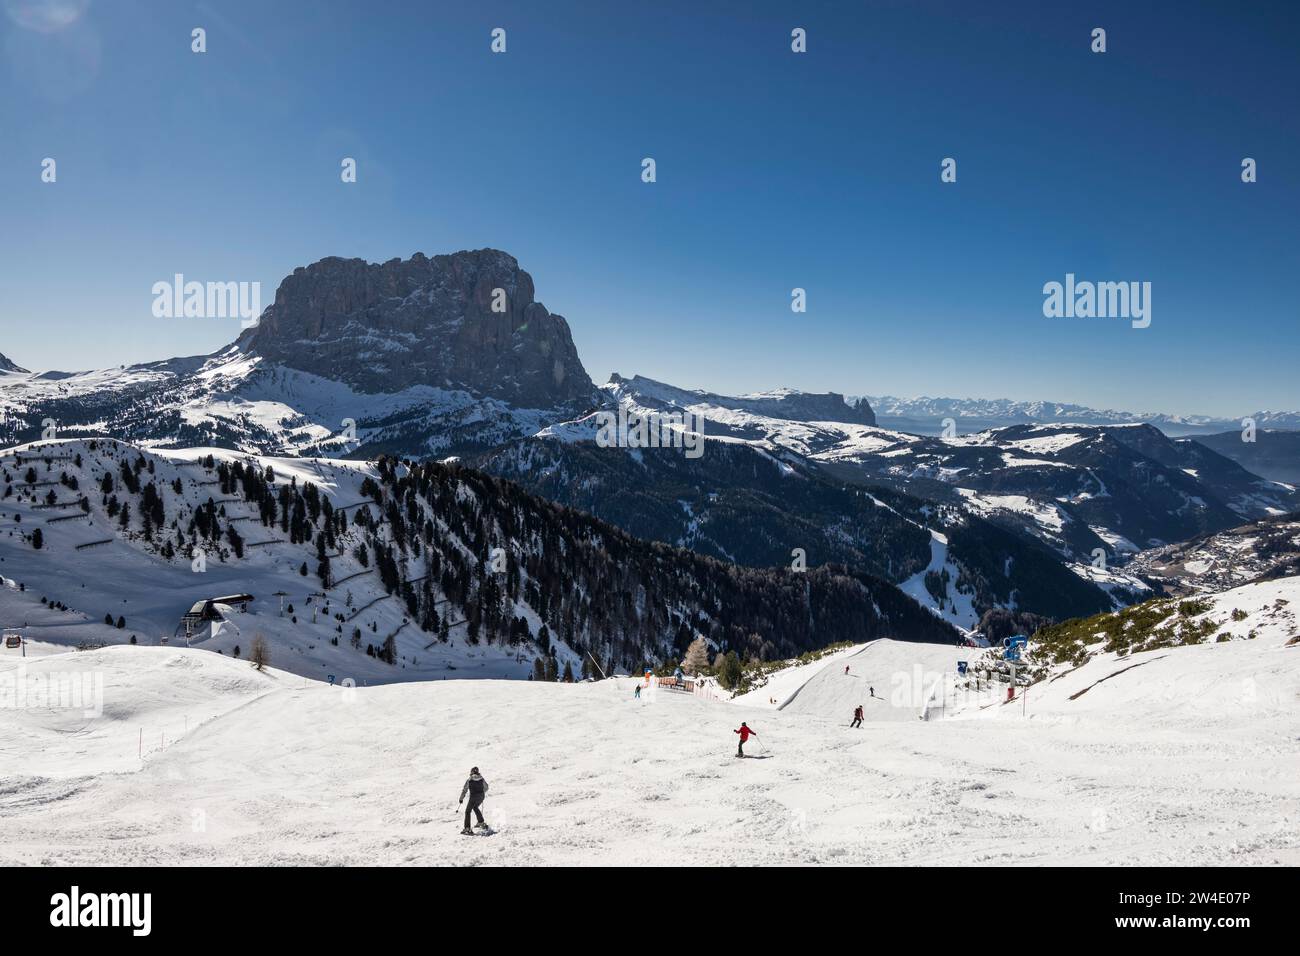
339	905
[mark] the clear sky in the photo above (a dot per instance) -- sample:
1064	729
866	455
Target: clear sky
775	170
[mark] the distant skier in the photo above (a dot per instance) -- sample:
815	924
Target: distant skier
636	694
846	668
477	789
857	716
871	691
745	734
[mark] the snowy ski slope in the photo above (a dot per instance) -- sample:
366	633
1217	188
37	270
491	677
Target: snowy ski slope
1188	758
901	674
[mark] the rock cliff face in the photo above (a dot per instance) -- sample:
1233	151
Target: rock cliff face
424	321
8	366
785	403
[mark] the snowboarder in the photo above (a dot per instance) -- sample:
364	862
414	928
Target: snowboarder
857	716
745	734
477	789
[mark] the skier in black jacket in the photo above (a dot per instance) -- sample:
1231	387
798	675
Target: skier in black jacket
477	789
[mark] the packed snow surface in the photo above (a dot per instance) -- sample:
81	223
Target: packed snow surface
785	683
1178	756
892	680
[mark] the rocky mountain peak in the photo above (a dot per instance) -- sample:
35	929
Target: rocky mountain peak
8	366
784	403
466	320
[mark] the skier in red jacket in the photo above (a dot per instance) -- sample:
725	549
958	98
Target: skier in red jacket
745	734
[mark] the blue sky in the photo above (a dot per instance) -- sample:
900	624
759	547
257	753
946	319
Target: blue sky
775	170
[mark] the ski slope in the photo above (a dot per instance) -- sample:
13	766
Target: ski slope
1169	763
959	609
785	683
90	713
903	675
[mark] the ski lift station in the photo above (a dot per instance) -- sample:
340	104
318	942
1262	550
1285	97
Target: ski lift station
204	612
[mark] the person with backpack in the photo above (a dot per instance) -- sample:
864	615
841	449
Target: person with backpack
745	734
477	789
857	716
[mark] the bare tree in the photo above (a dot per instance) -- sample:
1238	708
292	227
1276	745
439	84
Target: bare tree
697	656
260	653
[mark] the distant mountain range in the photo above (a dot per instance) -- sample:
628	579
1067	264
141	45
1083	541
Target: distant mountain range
1079	491
762	505
925	416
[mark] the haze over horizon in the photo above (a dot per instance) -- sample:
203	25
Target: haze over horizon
775	171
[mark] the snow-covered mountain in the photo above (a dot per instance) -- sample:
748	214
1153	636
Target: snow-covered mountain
385	571
240	400
1077	488
760	504
785	404
352	359
452	356
926	416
